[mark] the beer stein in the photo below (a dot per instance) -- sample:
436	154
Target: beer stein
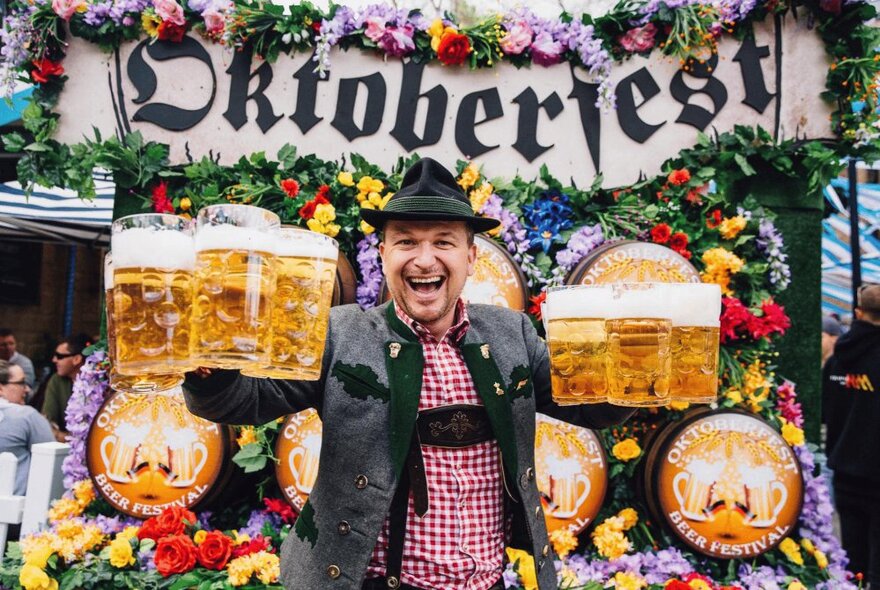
305	470
149	316
638	332
574	320
118	451
695	342
693	488
188	455
569	487
301	305
766	495
234	285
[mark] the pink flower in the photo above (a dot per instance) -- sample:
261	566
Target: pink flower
517	38
397	41
65	8
638	39
170	11
375	28
546	51
214	20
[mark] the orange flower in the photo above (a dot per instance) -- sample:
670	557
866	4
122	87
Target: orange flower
679	177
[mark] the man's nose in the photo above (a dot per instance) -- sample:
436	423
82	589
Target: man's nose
425	255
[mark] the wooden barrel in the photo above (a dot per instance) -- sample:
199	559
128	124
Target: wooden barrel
632	261
724	482
572	473
497	278
147	452
297	448
345	289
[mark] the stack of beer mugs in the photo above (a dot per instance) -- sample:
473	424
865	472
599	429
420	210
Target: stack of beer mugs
235	290
633	344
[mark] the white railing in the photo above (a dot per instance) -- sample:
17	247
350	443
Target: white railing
45	483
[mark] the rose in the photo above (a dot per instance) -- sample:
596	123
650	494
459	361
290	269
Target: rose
281	508
44	69
660	233
517	38
397	41
169	31
33	578
170	11
678	241
453	48
676	585
255	545
626	450
169	522
375	28
638	39
215	550
121	554
546	51
175	555
66	8
214	21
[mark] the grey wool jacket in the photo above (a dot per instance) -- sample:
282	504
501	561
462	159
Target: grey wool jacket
367	398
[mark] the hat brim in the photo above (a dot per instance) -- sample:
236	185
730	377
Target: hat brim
378	218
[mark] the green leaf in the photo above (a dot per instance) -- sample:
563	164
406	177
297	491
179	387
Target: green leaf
744	164
14	142
250	458
186	581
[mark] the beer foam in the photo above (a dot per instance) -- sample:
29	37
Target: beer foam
305	244
151	248
108	277
578	302
312	442
562	468
631	301
231	237
754	477
694	304
131	434
179	437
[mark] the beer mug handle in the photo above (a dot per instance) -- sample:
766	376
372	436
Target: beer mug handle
681	476
581	478
104	443
783	496
200	446
292	462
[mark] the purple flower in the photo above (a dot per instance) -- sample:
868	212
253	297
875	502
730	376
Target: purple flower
514	236
90	389
371	271
397	41
769	243
545	50
517	38
258	519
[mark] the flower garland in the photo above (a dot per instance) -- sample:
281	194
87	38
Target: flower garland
90	389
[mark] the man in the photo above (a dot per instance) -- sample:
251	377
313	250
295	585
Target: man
830	333
851	392
9	353
428	409
20	426
68	360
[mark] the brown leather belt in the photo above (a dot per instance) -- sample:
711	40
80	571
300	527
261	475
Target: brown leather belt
454	426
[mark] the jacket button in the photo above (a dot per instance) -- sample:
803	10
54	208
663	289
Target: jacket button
360	482
537	512
530	473
392	582
343	527
545	551
333	571
540	564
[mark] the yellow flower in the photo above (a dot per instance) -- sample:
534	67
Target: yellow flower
267	566
731	226
792	434
796	586
436	29
564	541
385	200
626	450
121	554
199	536
332	230
569	578
525	565
808	545
368	184
720	265
609	539
239	538
39	554
630	518
479	196
345	179
821	559
325	213
34	578
315	225
185	203
128	533
367	205
247	436
64	508
366	228
375	199
84	491
626	581
150	22
698	584
679	406
240	570
791	550
469	176
734	395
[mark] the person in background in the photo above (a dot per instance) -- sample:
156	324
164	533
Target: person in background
9	353
68	360
830	332
851	408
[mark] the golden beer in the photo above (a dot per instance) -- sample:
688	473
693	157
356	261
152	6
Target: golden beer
638	336
695	342
301	305
152	294
235	278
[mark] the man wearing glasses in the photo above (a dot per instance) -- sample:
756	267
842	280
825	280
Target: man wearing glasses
9	353
68	360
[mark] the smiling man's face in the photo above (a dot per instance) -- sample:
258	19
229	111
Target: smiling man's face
426	264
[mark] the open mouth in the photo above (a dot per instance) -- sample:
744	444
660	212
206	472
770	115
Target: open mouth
425	285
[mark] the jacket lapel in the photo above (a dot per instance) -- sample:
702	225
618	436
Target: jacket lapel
404	362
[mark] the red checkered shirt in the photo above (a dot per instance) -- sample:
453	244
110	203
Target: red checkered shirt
459	543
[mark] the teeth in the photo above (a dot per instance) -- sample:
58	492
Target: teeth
425	280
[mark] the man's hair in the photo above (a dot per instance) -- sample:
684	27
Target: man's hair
470	233
4	372
76	342
869	301
4	332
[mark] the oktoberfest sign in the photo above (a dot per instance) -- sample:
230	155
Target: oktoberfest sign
205	100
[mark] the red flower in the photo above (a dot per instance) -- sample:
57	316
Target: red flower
678	241
169	522
169	31
175	555
735	318
149	530
453	49
258	543
676	585
291	187
307	211
215	551
316	26
323	193
773	320
44	69
660	233
679	177
161	202
281	508
713	219
535	307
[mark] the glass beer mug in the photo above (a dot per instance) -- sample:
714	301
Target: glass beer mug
638	335
152	287
695	342
575	324
233	286
301	304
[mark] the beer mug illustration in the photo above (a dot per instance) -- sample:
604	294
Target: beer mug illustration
305	474
184	446
693	487
569	486
765	494
122	447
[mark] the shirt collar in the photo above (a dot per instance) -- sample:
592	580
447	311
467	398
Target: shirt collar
455	333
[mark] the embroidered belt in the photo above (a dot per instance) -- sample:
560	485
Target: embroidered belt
454	426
